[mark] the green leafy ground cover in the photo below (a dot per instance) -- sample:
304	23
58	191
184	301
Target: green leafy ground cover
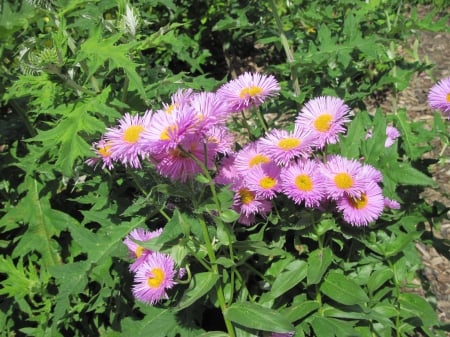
70	69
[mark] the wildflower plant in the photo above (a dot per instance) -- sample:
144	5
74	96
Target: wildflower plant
145	191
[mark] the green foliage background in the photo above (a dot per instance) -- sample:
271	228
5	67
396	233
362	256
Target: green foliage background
69	69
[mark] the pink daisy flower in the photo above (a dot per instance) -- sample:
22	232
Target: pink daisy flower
168	129
342	175
138	252
361	210
177	165
248	90
439	96
249	157
264	180
248	203
125	140
209	110
302	182
154	277
325	116
103	154
227	173
392	134
371	173
283	146
179	98
221	137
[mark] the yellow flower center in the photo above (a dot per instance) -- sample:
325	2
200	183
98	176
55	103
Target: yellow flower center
323	122
304	182
267	182
343	180
246	196
157	278
448	97
289	143
139	251
165	135
171	107
105	151
358	203
251	91
132	133
258	159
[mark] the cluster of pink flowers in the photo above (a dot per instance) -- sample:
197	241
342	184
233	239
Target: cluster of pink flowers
192	129
154	272
439	96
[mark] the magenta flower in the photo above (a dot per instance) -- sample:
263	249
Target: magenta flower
209	109
392	134
248	204
264	180
361	210
302	182
103	154
439	96
154	277
138	252
391	204
249	157
343	176
325	116
283	146
227	173
248	90
179	98
125	140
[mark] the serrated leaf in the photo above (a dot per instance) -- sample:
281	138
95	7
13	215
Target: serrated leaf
343	290
254	316
200	284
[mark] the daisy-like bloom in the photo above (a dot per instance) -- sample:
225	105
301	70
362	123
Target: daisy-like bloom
343	176
391	204
248	90
168	129
138	252
209	109
325	116
439	96
125	140
221	137
179	98
227	173
264	180
154	277
176	164
249	157
361	210
103	155
283	146
302	182
371	173
248	203
392	134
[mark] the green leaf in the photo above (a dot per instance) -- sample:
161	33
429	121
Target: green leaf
412	305
328	327
343	290
405	174
254	316
214	334
318	263
351	143
200	284
285	281
378	278
229	216
299	310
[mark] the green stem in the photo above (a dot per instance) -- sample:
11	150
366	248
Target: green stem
287	49
262	121
396	297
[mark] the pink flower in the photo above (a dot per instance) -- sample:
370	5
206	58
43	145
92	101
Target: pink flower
325	116
103	154
125	141
264	180
249	157
248	90
248	204
283	146
391	204
363	209
392	134
302	182
154	277
138	252
439	96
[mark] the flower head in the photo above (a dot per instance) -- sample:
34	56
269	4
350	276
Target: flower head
392	134
249	157
248	204
103	154
302	182
283	146
363	209
248	90
125	140
138	252
325	116
264	180
154	277
439	96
